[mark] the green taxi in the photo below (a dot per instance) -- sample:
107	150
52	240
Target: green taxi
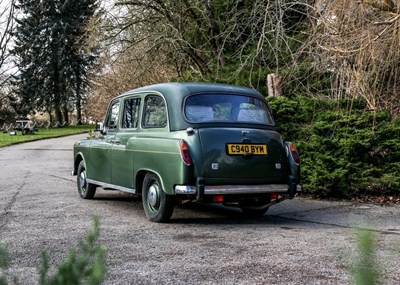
177	142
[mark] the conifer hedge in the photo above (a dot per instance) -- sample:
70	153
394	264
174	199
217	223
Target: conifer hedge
346	150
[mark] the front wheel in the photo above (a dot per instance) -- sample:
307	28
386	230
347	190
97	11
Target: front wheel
86	190
157	205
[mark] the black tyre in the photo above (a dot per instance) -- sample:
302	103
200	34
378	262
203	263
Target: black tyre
157	205
86	190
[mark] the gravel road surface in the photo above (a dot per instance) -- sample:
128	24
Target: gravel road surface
299	241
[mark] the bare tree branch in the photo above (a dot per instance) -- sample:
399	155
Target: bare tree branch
6	27
359	44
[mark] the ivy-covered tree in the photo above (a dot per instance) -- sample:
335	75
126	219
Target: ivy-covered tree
51	56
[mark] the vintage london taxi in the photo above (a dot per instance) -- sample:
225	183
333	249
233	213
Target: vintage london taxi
176	142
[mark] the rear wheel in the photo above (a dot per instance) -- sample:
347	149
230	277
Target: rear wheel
86	190
157	205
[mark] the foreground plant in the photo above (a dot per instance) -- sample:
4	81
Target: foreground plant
366	269
85	265
4	264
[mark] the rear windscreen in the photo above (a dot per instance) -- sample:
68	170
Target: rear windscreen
206	108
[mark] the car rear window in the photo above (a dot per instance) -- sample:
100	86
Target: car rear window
206	108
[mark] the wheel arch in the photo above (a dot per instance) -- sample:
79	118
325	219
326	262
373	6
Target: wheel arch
140	178
78	158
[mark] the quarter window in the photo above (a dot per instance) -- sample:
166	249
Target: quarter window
155	112
131	113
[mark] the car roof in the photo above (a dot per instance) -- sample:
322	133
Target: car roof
183	89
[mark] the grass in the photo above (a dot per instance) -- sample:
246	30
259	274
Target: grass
7	139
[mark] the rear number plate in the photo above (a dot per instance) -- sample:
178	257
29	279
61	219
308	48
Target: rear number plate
243	149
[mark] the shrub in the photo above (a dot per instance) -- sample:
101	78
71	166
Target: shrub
83	266
345	150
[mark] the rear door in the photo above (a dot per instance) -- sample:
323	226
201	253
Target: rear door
123	158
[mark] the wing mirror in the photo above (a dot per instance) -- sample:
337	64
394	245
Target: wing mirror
99	127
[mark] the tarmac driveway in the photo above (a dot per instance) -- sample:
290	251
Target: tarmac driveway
300	241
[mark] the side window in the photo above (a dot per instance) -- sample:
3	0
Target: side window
154	112
112	116
131	113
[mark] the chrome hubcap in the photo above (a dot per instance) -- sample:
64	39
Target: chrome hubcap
82	181
152	196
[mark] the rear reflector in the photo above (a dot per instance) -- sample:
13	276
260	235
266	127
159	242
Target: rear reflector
294	153
185	152
219	199
274	196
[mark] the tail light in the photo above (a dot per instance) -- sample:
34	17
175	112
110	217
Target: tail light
294	153
184	148
274	196
219	199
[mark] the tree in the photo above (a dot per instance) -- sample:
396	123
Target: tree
28	44
202	37
6	72
82	52
52	62
6	27
358	44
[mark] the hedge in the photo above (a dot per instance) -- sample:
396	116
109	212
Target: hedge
345	149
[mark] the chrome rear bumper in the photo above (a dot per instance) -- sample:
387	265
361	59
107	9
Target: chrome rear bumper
235	189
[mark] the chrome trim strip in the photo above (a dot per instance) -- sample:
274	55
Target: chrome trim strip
244	189
235	189
116	187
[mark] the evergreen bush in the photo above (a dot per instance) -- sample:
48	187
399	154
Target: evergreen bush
345	149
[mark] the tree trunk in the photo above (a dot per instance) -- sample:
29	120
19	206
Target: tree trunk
274	82
78	99
58	114
65	115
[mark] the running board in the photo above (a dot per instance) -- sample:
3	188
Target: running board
111	186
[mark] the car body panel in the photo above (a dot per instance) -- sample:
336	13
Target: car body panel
218	164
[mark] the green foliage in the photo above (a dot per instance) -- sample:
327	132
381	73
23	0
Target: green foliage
51	54
4	263
83	266
366	269
345	150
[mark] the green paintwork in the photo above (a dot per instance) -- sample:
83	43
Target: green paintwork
121	157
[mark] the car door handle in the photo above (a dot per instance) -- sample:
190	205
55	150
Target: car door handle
116	141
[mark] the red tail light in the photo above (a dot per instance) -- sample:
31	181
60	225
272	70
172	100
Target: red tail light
294	153
185	152
219	199
274	196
